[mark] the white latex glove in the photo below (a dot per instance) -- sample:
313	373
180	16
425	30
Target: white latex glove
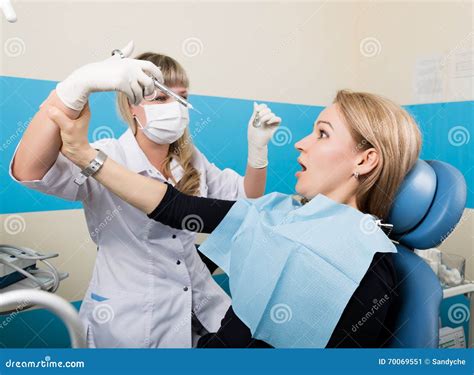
8	11
258	137
130	76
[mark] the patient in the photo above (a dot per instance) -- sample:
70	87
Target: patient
357	155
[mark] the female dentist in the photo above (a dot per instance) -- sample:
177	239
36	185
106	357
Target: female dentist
149	286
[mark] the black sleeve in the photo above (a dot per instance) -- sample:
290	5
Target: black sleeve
233	333
196	214
374	296
366	319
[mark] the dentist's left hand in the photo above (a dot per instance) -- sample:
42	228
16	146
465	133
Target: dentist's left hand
130	76
75	145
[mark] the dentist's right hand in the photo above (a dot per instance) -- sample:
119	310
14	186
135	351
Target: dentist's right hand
130	76
75	145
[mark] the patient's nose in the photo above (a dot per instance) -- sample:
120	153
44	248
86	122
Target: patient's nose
301	144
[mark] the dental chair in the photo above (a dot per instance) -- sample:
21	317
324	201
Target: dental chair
17	300
427	208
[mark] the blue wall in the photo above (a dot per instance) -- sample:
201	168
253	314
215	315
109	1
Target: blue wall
220	132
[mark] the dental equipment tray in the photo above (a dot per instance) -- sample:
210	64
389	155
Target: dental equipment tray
14	277
8	275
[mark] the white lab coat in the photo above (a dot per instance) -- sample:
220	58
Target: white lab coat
147	276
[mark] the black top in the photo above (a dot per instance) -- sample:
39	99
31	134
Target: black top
366	321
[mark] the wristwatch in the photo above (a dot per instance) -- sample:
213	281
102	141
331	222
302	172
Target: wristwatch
92	168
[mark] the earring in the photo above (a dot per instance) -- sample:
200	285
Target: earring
356	175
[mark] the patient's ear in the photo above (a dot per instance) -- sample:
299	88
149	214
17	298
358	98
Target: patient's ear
367	161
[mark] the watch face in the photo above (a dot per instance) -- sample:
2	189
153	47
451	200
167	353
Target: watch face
92	168
101	157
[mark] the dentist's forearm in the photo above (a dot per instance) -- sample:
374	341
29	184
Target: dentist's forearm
141	192
254	181
39	147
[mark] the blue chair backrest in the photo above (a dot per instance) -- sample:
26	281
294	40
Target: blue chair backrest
428	206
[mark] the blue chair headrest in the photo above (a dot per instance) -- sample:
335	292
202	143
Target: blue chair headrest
428	204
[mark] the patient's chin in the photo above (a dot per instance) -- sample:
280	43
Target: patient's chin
298	188
304	193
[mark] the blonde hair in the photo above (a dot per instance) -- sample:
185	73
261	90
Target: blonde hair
377	122
183	148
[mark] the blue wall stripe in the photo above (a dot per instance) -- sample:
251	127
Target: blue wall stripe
220	132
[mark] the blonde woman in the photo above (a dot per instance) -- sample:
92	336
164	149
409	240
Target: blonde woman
354	159
149	287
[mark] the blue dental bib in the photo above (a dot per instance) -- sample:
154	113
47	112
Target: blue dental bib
293	268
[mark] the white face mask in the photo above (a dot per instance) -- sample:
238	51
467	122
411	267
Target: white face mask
165	123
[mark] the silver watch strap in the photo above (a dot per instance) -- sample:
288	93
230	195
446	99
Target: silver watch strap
92	168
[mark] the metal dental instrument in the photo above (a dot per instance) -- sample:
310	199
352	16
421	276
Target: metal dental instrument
160	87
256	123
169	92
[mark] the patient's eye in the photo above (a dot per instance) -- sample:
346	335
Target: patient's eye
322	134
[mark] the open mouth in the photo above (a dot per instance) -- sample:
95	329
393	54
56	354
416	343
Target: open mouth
303	167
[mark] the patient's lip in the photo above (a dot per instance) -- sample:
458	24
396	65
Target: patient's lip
302	164
298	173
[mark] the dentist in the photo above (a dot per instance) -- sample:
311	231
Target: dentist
149	287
